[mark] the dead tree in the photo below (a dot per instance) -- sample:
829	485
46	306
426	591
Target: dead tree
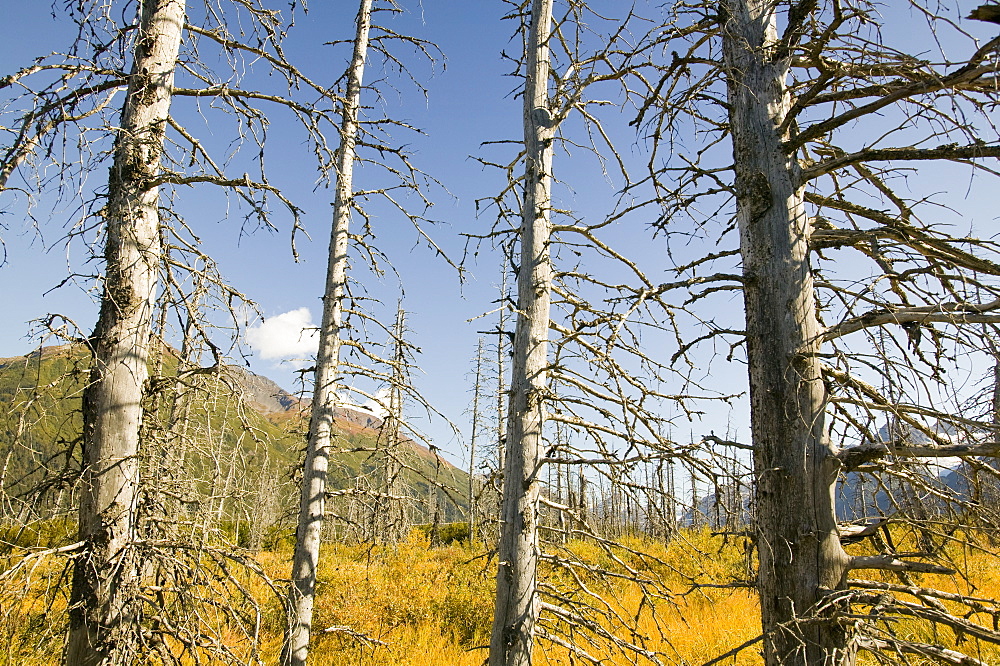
333	371
148	249
789	87
308	535
517	606
389	511
575	330
496	373
611	400
103	614
476	417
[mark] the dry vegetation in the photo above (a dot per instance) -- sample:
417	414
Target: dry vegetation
413	604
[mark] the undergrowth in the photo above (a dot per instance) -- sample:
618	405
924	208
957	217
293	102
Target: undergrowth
414	604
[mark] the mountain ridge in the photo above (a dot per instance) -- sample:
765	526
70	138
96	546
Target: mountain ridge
233	417
260	392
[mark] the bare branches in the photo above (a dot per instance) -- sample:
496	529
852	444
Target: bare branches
890	645
952	152
957	314
31	559
850	112
970	70
892	563
856	456
887	604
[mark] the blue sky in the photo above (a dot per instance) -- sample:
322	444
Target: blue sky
469	102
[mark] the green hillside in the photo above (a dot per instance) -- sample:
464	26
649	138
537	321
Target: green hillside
220	449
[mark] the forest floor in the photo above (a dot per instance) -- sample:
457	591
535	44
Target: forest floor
416	605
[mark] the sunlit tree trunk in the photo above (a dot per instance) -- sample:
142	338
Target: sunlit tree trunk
502	350
103	621
795	466
476	393
388	519
517	604
302	590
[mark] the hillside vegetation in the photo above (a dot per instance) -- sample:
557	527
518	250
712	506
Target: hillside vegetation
223	444
418	605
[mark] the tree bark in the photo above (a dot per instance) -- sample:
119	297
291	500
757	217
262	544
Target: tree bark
103	616
517	604
476	392
795	467
388	521
302	590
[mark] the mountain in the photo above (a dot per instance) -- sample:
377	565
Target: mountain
865	496
262	393
275	403
238	444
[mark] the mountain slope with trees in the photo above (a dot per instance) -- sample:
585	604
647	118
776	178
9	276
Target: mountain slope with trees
241	424
828	279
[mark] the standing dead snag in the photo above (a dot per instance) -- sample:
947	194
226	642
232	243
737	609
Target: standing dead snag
824	115
517	604
796	529
338	358
475	418
302	590
609	413
388	522
60	120
103	624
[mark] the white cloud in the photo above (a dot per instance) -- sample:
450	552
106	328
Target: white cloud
284	337
371	405
378	405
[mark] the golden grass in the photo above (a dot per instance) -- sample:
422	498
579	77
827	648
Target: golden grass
415	605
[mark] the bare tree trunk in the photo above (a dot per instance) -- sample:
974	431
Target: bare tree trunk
671	503
695	502
796	532
561	499
388	507
561	494
476	392
434	515
302	590
502	395
517	605
102	615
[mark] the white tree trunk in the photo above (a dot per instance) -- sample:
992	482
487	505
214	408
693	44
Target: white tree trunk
388	520
476	392
517	605
795	466
103	619
302	590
